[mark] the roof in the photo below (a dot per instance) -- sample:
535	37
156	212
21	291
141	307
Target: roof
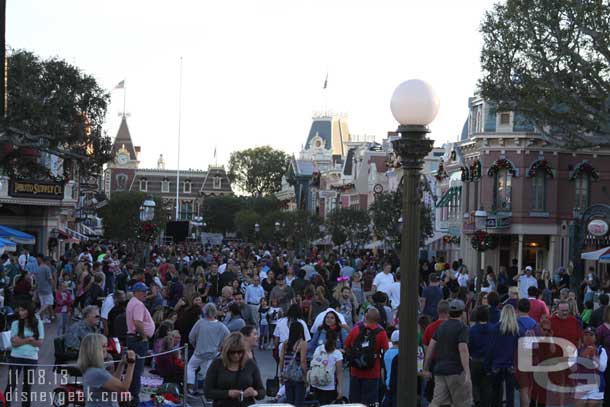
349	162
123	138
332	130
304	168
464	135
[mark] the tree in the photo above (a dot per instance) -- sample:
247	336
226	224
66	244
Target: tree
53	107
245	220
386	212
258	171
349	224
219	213
549	60
121	216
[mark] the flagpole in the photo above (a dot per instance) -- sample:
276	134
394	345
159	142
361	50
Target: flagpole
124	97
179	128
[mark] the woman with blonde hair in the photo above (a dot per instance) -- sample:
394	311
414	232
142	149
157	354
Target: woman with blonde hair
501	356
102	388
233	379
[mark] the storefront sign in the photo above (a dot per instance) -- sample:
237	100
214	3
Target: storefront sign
36	189
598	227
497	223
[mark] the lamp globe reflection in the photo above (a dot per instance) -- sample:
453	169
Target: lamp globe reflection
414	102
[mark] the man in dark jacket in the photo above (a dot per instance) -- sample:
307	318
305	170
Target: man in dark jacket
597	317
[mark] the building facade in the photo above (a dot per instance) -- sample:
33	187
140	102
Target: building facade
125	174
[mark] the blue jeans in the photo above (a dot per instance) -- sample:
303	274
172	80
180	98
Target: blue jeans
62	323
500	378
13	382
364	391
295	393
141	349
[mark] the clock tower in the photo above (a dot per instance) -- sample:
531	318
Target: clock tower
121	170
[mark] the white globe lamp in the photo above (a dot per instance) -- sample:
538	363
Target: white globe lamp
414	102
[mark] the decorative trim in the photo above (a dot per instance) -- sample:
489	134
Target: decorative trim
481	241
542	165
587	168
500	164
475	170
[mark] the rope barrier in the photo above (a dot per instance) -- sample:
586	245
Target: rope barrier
110	362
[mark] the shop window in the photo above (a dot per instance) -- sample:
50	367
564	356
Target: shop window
187	187
502	190
539	192
583	183
165	186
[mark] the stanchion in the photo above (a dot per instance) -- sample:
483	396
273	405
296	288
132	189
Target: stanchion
185	381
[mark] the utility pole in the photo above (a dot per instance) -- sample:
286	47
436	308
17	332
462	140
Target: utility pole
3	76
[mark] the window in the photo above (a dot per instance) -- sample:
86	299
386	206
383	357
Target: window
165	186
582	191
121	182
143	185
217	183
187	187
504	119
502	191
539	191
186	210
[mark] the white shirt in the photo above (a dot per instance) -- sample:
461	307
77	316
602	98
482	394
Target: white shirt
526	282
282	330
333	358
107	306
394	295
463	280
23	259
222	268
87	255
383	281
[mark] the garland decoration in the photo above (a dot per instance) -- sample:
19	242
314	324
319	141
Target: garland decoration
451	239
542	165
465	174
584	167
475	171
342	188
147	231
441	174
482	241
502	164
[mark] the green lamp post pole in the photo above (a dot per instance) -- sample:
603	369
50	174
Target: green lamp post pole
414	105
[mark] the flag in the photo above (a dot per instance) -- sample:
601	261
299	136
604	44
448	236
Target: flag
120	85
325	82
214	152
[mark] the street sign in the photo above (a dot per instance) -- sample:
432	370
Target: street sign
598	227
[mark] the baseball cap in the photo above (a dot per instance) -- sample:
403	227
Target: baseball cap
589	330
395	336
456	305
528	268
139	287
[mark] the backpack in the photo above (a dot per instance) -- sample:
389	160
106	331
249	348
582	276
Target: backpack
320	373
362	354
383	317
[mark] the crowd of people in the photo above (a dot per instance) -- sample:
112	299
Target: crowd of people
319	314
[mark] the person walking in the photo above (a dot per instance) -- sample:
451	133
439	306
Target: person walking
525	281
431	296
140	328
449	345
478	345
206	337
364	348
254	294
293	360
27	335
326	373
44	287
501	356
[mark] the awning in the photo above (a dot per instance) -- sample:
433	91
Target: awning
16	236
7	245
601	255
448	197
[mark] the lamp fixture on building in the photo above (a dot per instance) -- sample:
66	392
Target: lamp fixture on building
147	210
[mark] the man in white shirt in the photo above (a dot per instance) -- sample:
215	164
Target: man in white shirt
384	280
526	281
23	259
394	294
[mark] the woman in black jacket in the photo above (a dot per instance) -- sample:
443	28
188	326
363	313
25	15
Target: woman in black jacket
233	380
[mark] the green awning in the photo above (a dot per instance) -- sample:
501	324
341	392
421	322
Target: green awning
448	197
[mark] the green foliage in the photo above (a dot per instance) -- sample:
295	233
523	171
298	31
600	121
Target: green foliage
258	171
349	224
58	109
386	211
121	216
550	61
302	228
244	221
219	213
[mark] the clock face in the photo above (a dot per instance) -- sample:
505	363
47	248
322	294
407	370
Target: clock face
122	158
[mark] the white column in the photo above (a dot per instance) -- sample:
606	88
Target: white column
551	255
520	254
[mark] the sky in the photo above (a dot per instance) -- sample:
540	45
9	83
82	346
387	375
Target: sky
253	71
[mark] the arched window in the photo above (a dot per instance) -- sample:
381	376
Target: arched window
583	184
502	190
539	192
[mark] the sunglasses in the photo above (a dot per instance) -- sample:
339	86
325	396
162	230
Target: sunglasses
96	317
236	352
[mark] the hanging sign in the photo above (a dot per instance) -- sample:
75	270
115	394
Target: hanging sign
598	227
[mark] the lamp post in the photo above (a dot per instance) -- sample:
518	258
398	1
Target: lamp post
147	214
480	223
257	229
414	105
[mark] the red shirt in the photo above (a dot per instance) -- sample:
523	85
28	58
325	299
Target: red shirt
537	309
568	328
430	331
381	344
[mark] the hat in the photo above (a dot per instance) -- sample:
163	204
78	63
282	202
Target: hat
589	330
456	305
139	287
395	336
528	268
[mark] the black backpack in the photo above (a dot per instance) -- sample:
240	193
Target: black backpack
383	316
362	354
